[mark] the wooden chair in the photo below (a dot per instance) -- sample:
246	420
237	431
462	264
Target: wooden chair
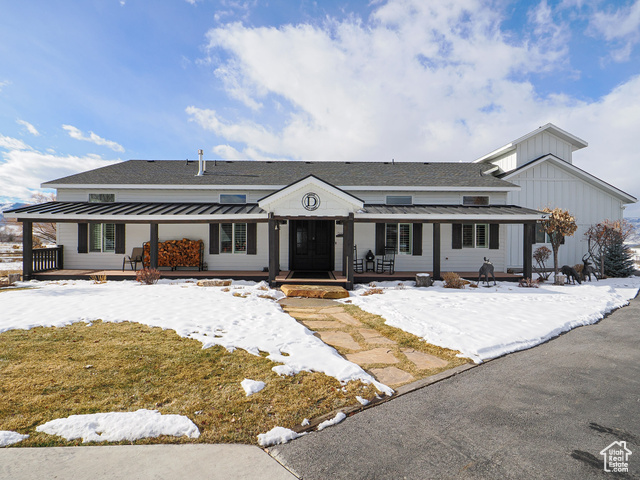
358	263
133	259
387	262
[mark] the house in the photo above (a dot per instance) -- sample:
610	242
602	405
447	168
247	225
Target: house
541	164
255	216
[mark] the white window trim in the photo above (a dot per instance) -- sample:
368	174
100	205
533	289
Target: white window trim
102	238
233	239
410	197
472	204
100	193
475	235
398	252
233	194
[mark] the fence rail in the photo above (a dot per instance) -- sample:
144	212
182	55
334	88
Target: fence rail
47	259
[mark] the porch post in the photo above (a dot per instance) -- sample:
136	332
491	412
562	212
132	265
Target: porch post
527	250
436	251
153	245
274	250
347	249
27	249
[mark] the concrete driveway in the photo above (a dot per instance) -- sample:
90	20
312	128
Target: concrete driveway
542	413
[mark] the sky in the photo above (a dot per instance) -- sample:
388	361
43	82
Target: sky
86	84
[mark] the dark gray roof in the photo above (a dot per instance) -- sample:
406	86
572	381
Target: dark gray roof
137	208
452	210
255	173
75	211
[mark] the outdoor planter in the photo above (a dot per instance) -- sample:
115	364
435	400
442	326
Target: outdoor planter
559	279
423	280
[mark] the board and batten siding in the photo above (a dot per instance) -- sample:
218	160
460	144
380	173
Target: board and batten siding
547	185
542	144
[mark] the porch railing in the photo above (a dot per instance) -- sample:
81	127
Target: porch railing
50	258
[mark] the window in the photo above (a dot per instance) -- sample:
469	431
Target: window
475	235
232	198
233	238
399	200
102	197
475	200
399	237
102	237
541	235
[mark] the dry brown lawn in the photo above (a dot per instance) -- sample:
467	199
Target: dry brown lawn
49	373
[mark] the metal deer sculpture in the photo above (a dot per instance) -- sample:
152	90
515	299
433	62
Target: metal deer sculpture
486	269
570	273
587	269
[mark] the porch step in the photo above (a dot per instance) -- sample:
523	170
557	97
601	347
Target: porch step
314	291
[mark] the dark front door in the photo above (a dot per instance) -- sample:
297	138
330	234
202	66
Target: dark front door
311	245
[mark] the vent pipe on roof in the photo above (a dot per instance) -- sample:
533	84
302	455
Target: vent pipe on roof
201	165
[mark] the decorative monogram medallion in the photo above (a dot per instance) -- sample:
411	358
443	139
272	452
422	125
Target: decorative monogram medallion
310	201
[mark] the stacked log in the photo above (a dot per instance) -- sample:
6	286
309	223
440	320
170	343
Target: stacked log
176	253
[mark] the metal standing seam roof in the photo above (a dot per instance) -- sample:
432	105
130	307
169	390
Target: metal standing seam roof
453	210
202	211
113	209
165	173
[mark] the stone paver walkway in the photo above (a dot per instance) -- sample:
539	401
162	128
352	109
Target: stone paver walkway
358	343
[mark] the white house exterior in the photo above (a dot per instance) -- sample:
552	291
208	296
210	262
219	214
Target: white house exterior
541	163
308	216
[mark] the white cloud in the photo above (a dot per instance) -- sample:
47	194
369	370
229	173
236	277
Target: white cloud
93	138
23	168
417	81
30	128
621	26
4	83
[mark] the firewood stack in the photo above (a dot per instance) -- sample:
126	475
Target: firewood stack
177	253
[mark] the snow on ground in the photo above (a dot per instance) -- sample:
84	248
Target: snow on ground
333	421
8	437
484	323
207	314
8	266
117	426
276	436
251	386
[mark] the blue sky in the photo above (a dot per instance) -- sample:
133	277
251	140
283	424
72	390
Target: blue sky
83	84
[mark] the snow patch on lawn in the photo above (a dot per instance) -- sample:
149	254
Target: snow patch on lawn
484	323
334	421
210	315
252	386
117	426
8	437
276	436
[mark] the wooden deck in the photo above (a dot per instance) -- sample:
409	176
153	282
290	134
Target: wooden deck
256	276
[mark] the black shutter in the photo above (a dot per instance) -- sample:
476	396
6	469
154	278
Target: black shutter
252	238
417	239
214	238
456	236
83	238
380	238
494	236
120	239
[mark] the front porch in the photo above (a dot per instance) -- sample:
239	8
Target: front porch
283	278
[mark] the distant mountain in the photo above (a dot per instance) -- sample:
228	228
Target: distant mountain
10	206
634	238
